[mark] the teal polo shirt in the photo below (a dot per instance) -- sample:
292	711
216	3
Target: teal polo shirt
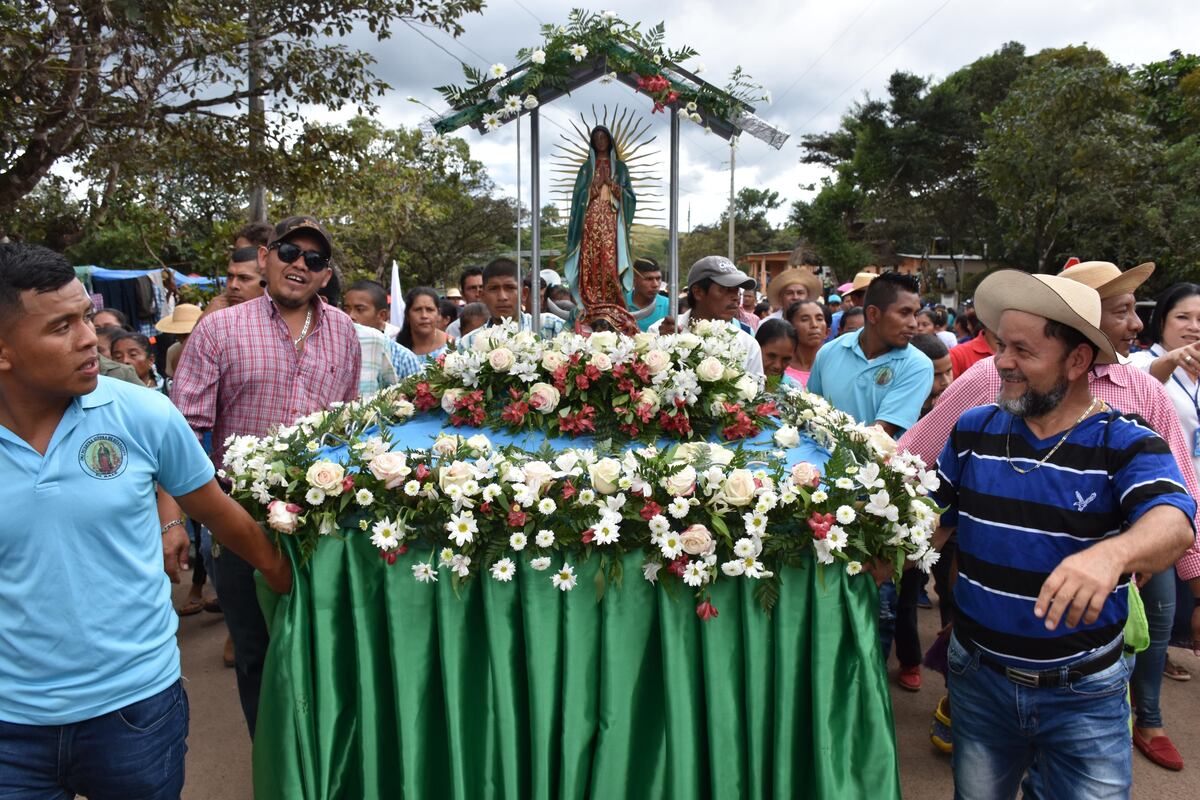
662	305
86	622
890	388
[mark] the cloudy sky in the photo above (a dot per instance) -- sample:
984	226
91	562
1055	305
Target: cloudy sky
815	57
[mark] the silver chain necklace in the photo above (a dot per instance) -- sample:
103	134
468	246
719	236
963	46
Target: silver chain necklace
1054	449
308	318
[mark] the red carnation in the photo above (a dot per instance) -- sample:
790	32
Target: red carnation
422	472
516	517
650	509
706	611
588	536
678	566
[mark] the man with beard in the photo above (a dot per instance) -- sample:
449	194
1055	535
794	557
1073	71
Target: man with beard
874	375
1056	498
256	365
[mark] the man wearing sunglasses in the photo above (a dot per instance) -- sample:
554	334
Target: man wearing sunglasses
256	365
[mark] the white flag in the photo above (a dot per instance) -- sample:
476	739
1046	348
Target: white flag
397	313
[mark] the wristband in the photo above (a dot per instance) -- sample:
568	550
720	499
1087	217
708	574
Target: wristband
173	523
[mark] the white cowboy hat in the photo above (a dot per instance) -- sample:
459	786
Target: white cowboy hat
1072	303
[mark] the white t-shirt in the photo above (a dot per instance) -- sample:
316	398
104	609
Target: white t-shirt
1184	393
754	362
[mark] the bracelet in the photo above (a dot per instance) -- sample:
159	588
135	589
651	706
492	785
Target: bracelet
173	523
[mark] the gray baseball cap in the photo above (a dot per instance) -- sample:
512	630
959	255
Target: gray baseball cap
722	271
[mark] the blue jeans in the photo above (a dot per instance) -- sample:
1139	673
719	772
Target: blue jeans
1075	736
134	753
1158	596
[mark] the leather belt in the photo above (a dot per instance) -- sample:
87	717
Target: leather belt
1050	678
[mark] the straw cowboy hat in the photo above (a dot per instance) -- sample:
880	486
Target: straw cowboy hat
1107	278
182	319
1072	303
791	277
861	281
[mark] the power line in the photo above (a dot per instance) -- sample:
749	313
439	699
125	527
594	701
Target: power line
810	67
530	13
871	68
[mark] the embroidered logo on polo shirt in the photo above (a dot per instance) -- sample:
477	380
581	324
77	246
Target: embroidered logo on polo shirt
883	376
103	456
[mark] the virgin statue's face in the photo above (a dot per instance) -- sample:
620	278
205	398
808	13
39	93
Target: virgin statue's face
600	141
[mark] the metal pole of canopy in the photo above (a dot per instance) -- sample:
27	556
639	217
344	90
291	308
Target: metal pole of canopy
520	311
673	221
535	200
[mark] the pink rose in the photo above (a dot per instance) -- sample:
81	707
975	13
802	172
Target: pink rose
283	517
696	540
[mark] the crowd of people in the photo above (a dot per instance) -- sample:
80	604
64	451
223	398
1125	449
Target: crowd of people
1064	429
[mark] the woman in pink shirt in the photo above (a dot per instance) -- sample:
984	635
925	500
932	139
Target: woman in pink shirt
811	324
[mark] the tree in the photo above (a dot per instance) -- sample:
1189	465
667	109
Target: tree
75	76
829	223
1069	163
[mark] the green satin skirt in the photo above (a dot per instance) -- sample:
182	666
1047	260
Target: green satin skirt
378	686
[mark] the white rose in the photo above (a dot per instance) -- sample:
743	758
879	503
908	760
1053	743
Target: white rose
552	360
479	443
787	436
696	540
650	398
682	483
501	359
656	361
449	398
403	409
805	474
710	369
731	373
537	475
739	488
643	340
538	57
747	388
482	341
283	517
543	397
456	474
391	468
601	362
446	445
881	441
720	455
326	476
604	340
604	474
687	341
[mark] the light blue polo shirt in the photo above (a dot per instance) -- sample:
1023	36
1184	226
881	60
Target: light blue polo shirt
86	622
891	388
662	305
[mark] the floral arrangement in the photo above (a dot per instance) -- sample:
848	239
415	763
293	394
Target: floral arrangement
698	512
494	95
646	387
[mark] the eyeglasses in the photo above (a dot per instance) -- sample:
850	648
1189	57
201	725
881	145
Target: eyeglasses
289	252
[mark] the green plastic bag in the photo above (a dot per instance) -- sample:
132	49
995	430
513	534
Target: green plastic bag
1137	628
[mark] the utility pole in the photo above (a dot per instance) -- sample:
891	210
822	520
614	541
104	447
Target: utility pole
257	120
732	165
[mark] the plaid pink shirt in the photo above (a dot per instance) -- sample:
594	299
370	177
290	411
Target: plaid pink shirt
1124	387
241	374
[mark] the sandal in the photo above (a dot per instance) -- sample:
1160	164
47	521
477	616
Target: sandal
1175	672
194	605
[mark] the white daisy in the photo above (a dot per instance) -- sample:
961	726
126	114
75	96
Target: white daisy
670	545
679	507
497	70
544	538
547	506
745	548
491	492
504	570
518	541
445	557
844	483
846	515
607	530
587	497
579	51
695	574
314	497
837	538
462	528
540	563
424	573
491	121
659	525
853	568
364	497
385	534
734	568
412	488
819	496
564	580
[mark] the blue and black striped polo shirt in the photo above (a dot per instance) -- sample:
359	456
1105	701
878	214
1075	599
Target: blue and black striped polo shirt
1014	529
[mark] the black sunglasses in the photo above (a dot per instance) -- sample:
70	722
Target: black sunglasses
289	252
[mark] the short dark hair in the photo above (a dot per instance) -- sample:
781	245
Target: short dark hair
644	265
468	272
140	339
773	329
559	292
703	283
110	331
499	268
25	267
379	296
259	233
886	288
849	314
1165	304
474	311
762	308
120	315
332	291
244	255
930	345
448	309
1068	336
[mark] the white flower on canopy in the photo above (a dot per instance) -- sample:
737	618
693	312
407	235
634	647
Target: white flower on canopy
564	579
504	570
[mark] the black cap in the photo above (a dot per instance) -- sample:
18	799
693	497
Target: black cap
302	224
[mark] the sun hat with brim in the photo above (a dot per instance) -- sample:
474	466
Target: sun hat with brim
1107	279
861	281
182	319
845	288
791	277
1072	303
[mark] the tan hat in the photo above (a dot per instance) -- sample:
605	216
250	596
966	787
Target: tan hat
453	293
1072	303
182	319
791	277
861	281
1107	278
